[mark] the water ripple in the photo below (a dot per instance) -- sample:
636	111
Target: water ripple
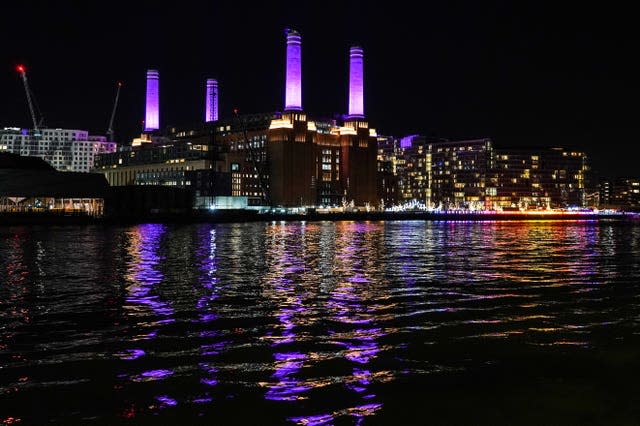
310	323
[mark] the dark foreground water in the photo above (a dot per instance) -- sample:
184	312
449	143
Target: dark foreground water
321	323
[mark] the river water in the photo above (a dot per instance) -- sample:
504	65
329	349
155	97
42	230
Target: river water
321	323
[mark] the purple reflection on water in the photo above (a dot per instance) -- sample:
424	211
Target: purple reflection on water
213	348
132	354
155	375
145	272
287	388
365	410
144	276
361	383
207	254
286	318
209	382
589	237
318	420
166	401
359	412
208	317
350	304
362	353
286	264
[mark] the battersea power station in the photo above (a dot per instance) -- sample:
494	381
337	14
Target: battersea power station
280	159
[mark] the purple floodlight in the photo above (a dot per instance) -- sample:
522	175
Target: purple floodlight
293	94
211	113
407	141
152	112
356	83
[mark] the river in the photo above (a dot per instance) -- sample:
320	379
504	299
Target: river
399	322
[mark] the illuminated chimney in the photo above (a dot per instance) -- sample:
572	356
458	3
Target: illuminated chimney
356	83
211	111
152	112
293	95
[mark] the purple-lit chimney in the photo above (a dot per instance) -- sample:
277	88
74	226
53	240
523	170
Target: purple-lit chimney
356	83
152	112
293	94
211	111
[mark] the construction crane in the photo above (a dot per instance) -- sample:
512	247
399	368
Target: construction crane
110	133
33	106
23	73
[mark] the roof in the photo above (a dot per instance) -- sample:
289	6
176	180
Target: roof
15	161
33	177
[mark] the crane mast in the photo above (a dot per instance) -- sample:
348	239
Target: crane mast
23	73
110	132
33	107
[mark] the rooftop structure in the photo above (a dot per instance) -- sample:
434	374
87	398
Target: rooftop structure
152	110
356	82
293	93
211	103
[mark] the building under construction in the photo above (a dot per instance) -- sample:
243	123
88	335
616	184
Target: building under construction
67	150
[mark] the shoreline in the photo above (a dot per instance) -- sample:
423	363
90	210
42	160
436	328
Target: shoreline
243	216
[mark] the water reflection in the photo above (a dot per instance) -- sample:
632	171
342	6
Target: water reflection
144	274
15	285
310	323
144	303
285	265
206	310
353	304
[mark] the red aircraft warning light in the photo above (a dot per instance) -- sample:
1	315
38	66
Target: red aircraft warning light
20	68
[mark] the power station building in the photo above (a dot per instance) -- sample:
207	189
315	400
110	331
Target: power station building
280	159
289	159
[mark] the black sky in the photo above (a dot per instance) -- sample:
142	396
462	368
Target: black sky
523	74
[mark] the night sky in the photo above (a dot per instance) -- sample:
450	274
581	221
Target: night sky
523	75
